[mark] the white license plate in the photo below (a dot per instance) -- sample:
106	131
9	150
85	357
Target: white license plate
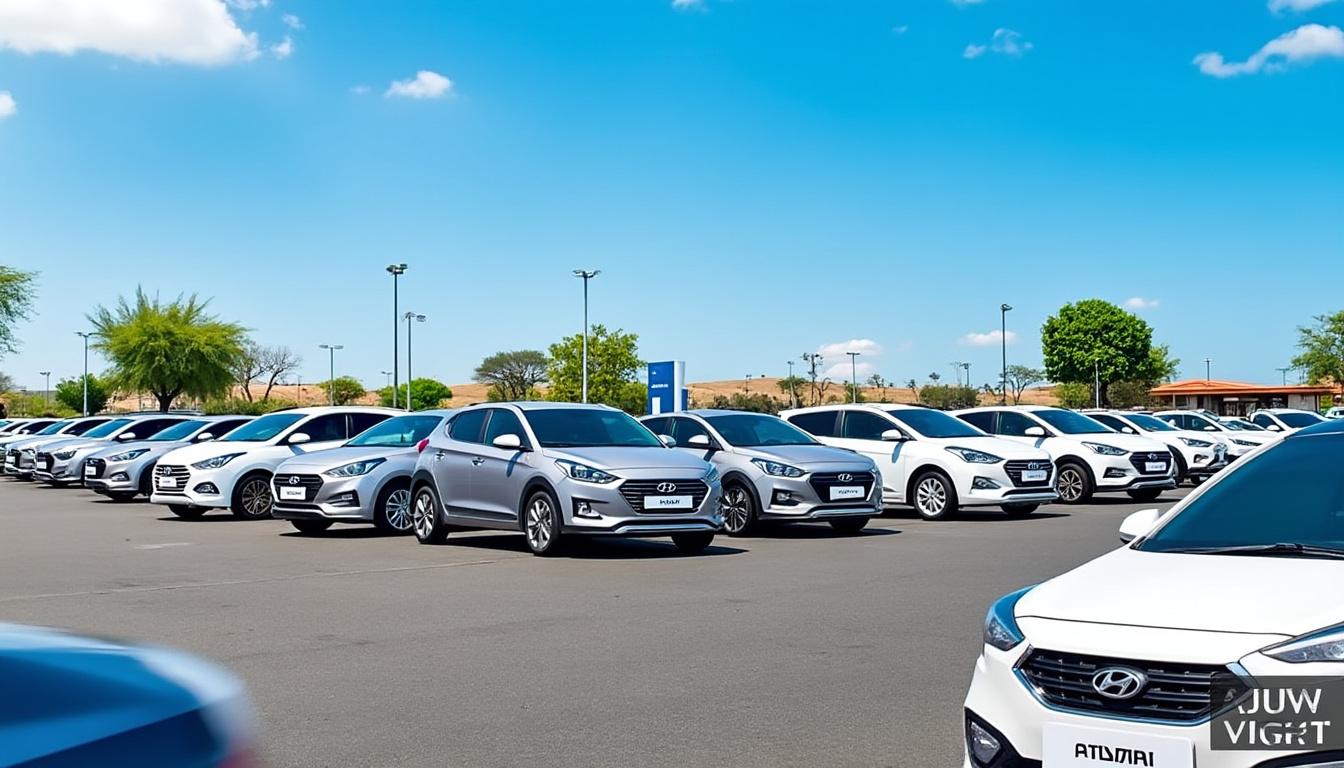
1071	746
167	482
1034	475
89	471
668	502
839	492
292	494
1155	466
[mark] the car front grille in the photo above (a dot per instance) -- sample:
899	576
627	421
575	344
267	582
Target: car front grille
12	457
310	484
823	482
178	473
1016	467
43	461
634	492
1140	462
1173	692
98	466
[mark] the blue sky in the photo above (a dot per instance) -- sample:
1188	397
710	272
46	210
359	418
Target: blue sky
755	178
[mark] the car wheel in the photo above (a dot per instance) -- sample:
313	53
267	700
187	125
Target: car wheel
310	526
1182	469
252	497
121	495
147	481
1019	510
186	512
738	509
692	543
1144	494
392	513
1073	484
1198	480
935	496
541	524
849	525
425	519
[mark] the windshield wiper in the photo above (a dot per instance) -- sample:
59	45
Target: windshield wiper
1280	549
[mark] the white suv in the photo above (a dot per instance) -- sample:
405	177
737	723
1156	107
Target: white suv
1240	440
1198	454
234	472
1090	456
1285	419
933	462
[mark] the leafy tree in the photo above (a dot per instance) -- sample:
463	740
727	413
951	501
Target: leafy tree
239	407
70	393
818	384
343	390
1130	394
6	383
1164	367
880	384
514	375
16	302
1020	378
949	397
852	391
268	364
934	377
613	362
1074	394
757	402
794	388
1098	333
913	386
168	350
425	395
1322	346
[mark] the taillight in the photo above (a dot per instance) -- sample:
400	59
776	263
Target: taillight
420	446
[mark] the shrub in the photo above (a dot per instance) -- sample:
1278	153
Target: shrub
1074	395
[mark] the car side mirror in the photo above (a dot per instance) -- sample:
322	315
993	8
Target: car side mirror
893	436
508	442
204	436
668	441
126	436
299	438
1034	432
698	441
1210	428
1139	524
1129	431
1274	428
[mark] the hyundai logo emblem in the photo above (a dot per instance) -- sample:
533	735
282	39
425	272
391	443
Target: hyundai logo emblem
844	477
1034	465
1119	683
293	479
667	487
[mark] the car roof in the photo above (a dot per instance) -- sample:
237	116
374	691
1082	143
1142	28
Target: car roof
311	410
705	412
542	405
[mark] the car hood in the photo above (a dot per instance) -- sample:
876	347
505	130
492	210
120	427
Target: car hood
331	458
159	446
618	458
1216	593
1004	449
29	441
1131	443
69	443
805	456
190	454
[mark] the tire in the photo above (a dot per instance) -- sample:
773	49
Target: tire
147	481
1144	494
185	512
392	513
310	526
252	497
426	521
935	497
541	524
1019	510
1073	483
738	508
1182	469
121	495
692	543
849	525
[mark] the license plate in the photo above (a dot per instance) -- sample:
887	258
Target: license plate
1034	475
667	502
1155	466
292	494
839	492
89	471
1071	746
167	482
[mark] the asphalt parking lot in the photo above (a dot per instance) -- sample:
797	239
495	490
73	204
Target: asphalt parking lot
794	648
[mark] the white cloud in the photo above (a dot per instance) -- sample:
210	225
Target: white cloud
360	90
292	21
901	30
991	339
836	351
7	105
283	49
1307	42
1004	41
1300	6
1138	302
188	31
425	85
248	5
842	371
689	5
973	50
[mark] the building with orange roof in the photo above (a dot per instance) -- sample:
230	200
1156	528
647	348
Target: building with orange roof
1235	398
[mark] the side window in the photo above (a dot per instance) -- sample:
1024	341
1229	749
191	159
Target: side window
1198	423
1110	421
982	420
818	423
221	428
467	427
1262	420
865	426
1176	420
659	426
1014	424
362	421
148	427
324	429
686	429
504	422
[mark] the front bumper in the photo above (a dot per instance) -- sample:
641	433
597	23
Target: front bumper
991	485
58	471
617	510
19	463
188	486
346	499
115	477
1119	473
808	497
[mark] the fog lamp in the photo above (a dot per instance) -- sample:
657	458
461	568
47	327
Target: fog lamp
584	508
1114	472
207	488
984	484
982	744
119	477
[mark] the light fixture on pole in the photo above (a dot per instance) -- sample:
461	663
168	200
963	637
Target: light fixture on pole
331	379
419	319
46	393
396	270
86	368
1208	368
1004	309
1096	381
1284	371
854	375
956	372
793	388
388	374
586	275
967	366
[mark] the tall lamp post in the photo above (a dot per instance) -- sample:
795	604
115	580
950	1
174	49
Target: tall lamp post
967	366
419	319
46	393
1004	309
396	270
793	388
331	378
1096	381
86	368
1284	371
1208	368
853	375
388	374
586	275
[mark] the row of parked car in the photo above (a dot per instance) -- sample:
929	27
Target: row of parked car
552	469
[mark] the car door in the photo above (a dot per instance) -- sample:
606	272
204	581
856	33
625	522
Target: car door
1014	425
452	461
325	431
861	432
498	474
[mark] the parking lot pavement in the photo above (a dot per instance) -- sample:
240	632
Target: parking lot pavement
797	647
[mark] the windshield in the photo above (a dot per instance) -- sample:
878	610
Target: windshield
585	428
178	432
103	430
1070	423
400	432
752	430
54	428
1299	420
935	424
263	429
1150	424
1291	494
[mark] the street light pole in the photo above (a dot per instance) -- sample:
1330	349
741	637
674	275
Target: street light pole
1284	371
793	388
1208	368
46	393
1004	309
853	375
419	319
388	374
331	378
1096	381
586	275
86	368
396	270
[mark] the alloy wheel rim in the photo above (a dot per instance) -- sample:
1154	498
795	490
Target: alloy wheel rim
257	498
398	510
422	516
1070	485
931	496
734	509
539	524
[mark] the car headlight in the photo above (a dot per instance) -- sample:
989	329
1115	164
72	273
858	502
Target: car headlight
1322	645
973	456
1193	443
1106	450
356	469
216	462
1245	443
712	476
584	473
776	469
64	455
1001	630
128	455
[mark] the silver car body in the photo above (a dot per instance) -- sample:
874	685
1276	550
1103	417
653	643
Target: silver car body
62	461
127	469
19	452
311	487
834	483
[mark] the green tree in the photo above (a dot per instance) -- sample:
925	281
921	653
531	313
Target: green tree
757	402
6	383
613	365
70	393
949	397
168	350
854	394
1074	394
1164	367
1020	378
1130	394
426	394
513	375
794	389
343	390
1322	345
16	302
1095	338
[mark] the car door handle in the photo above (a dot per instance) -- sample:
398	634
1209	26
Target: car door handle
478	461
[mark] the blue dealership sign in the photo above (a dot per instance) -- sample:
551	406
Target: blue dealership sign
667	387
